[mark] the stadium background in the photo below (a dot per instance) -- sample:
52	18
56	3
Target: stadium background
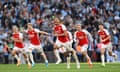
41	13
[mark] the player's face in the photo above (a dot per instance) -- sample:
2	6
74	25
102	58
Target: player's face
15	29
29	27
56	21
78	27
101	27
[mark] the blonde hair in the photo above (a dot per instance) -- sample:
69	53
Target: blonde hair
15	27
29	24
78	24
56	20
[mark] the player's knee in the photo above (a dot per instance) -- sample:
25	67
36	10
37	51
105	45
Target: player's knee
102	51
110	53
55	47
25	56
84	53
42	53
73	52
13	52
66	54
27	53
30	51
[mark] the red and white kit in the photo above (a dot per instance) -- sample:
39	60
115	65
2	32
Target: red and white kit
18	46
83	37
61	40
103	35
63	50
34	39
70	37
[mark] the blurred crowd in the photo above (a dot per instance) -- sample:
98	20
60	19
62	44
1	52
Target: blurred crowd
41	13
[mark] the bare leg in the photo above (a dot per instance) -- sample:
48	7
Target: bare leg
56	52
16	57
45	58
113	54
102	56
31	57
88	58
76	59
27	59
69	47
68	61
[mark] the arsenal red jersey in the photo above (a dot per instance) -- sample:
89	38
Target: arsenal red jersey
18	36
59	29
104	34
81	36
34	36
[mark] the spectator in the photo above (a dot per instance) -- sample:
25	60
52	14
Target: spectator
6	53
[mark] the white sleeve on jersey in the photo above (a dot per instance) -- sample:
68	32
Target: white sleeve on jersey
89	35
63	27
37	30
106	31
26	31
70	35
21	35
75	36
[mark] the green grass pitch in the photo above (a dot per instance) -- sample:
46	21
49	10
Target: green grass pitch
110	67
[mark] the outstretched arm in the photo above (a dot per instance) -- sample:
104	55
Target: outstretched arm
43	32
62	34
